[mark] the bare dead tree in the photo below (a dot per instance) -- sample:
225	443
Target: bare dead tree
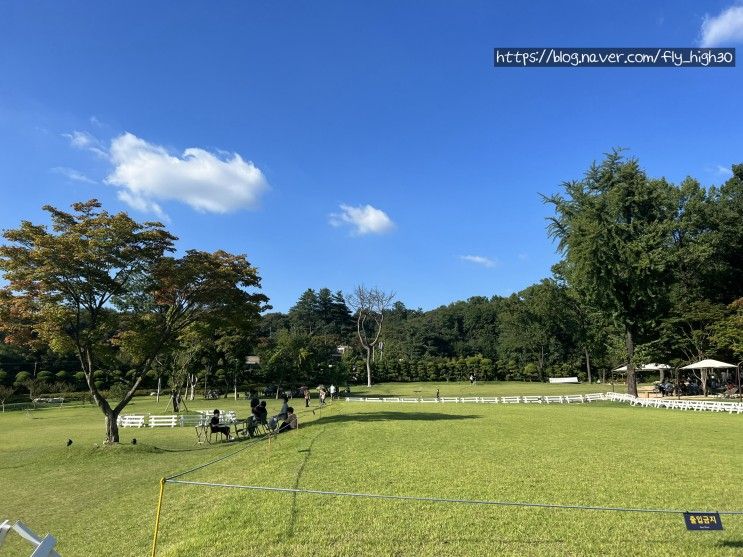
369	305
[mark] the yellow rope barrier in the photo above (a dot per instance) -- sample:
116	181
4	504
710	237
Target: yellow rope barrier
157	516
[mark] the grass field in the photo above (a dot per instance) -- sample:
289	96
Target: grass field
102	500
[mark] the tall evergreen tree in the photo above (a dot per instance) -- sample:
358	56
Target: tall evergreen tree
614	228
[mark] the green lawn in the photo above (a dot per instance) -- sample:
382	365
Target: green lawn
482	388
102	500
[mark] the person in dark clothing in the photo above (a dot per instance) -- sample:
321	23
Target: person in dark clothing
262	413
216	427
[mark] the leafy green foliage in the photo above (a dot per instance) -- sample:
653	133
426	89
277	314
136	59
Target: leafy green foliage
101	287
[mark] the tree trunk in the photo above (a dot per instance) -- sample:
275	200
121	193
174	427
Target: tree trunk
157	399
588	365
541	363
368	366
631	377
112	427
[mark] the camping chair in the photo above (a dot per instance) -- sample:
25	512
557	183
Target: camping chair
44	547
272	426
211	432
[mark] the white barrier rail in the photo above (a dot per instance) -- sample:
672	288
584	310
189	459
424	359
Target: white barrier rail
174	420
695	405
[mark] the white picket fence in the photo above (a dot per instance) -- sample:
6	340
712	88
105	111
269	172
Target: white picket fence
174	420
695	405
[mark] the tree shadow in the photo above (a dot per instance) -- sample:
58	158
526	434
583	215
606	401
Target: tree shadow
389	416
738	544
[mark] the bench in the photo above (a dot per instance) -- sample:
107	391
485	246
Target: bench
489	399
553	399
573	398
532	399
131	420
648	391
510	399
470	399
594	397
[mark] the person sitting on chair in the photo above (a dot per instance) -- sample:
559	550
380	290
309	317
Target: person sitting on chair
284	412
262	413
216	427
290	422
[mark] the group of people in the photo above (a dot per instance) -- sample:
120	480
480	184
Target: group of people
258	417
322	392
692	386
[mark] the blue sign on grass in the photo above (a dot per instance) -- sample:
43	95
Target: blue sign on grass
703	521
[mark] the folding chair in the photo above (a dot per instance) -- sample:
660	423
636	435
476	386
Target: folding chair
44	547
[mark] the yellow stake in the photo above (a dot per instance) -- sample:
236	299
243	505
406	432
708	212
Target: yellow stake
157	516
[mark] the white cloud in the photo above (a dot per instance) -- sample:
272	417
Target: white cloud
72	174
365	219
141	204
523	257
149	173
478	260
86	142
724	170
726	28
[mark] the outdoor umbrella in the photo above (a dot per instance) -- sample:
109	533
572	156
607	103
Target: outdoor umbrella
709	364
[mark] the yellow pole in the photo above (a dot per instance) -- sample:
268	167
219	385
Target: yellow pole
157	516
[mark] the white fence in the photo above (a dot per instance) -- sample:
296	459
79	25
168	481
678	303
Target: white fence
695	405
174	420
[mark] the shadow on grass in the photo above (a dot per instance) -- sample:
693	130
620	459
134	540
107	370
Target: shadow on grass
307	452
738	544
387	416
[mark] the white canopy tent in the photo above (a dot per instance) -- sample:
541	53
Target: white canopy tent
709	364
706	365
662	368
647	367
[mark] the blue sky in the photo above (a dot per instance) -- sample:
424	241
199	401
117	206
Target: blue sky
338	143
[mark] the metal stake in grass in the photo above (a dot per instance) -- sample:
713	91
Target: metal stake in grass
157	516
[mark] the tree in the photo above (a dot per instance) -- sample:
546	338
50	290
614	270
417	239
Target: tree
100	286
5	393
369	304
614	229
539	325
728	332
